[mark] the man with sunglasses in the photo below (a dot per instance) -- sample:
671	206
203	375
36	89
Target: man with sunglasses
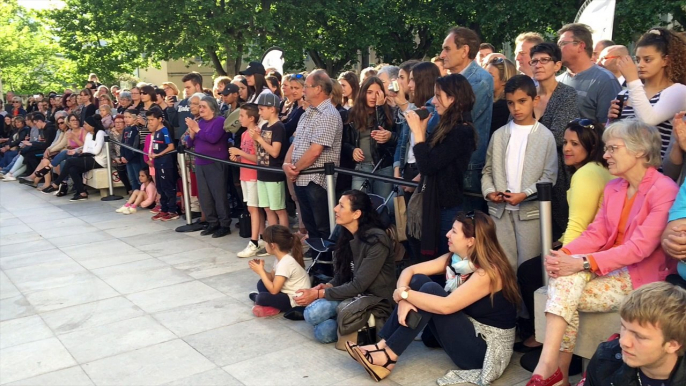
596	87
608	60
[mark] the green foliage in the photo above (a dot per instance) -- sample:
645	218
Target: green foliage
29	60
114	37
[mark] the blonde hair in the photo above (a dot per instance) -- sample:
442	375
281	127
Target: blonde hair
171	86
639	139
530	37
336	93
662	305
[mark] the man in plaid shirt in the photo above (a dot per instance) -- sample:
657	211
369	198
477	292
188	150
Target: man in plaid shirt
317	141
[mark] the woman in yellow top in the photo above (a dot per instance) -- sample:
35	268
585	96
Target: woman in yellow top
583	155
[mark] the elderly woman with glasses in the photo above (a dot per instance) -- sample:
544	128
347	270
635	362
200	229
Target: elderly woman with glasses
17	108
557	107
208	137
618	252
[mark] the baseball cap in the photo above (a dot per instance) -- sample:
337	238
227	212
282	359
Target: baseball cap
268	99
253	68
229	89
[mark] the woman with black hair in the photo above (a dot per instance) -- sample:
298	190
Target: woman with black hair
257	84
442	159
370	136
363	266
92	156
88	109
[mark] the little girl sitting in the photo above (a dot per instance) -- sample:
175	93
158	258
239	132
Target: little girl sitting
277	288
145	197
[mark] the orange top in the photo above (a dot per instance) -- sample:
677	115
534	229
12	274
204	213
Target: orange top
621	229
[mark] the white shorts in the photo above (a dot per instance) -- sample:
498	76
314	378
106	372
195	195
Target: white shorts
250	193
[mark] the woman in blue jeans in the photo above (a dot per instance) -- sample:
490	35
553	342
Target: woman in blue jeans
363	266
472	318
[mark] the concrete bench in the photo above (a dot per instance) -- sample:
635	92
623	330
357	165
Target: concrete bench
594	327
97	179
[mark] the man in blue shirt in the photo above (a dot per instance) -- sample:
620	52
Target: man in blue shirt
459	51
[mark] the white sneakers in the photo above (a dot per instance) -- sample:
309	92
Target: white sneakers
9	177
126	210
251	250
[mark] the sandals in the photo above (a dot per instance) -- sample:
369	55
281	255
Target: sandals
377	372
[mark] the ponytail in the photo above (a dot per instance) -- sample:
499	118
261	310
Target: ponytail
297	250
285	240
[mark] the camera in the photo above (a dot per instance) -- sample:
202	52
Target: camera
393	86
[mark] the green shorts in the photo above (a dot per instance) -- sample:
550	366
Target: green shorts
272	195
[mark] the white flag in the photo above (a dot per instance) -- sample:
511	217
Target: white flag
599	15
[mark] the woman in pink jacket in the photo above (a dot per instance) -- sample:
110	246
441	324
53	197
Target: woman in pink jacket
619	252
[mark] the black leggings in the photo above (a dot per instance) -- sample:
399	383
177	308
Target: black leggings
280	301
74	168
454	332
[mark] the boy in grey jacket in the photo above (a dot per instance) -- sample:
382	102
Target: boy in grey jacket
520	154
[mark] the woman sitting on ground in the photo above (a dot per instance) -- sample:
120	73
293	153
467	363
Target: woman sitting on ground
619	252
472	318
363	265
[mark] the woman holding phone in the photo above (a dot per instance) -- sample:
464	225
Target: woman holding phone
472	318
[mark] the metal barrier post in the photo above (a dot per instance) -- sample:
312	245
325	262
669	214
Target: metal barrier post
329	170
545	194
189	227
111	196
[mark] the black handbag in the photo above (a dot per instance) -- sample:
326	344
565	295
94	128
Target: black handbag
244	226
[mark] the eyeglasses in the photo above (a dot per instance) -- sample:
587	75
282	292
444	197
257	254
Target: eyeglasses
60	122
609	57
563	43
583	122
16	102
540	60
611	148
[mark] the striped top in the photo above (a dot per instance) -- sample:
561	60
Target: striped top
664	127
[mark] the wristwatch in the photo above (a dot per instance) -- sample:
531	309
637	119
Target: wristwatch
587	264
405	293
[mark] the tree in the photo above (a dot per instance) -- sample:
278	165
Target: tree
29	59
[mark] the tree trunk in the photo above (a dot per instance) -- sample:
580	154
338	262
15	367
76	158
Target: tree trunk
216	62
364	63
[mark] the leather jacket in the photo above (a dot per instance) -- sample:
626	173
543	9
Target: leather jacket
380	152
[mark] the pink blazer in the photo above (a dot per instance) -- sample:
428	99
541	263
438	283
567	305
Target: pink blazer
641	251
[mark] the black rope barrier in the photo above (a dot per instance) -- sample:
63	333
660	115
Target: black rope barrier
139	151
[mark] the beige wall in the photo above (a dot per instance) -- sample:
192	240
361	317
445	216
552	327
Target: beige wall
173	71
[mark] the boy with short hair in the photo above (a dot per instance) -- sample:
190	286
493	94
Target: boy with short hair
520	154
271	147
162	145
650	350
249	116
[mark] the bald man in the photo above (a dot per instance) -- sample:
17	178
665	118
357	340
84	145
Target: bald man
599	47
608	59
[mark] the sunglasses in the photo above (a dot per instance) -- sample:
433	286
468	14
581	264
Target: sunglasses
584	122
144	93
60	122
497	61
470	215
297	76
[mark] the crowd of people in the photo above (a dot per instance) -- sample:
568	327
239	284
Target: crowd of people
476	132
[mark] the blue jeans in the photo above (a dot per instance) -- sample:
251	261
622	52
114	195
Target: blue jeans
322	315
7	158
380	188
132	170
60	157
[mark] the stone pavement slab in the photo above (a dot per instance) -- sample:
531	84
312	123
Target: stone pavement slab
92	297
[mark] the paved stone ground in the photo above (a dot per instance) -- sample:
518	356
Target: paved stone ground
92	297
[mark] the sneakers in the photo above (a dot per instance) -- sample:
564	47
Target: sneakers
221	232
553	380
253	295
264	311
170	216
49	189
9	177
130	210
62	191
122	209
157	209
159	216
251	250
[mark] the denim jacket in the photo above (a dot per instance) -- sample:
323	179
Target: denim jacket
482	84
400	158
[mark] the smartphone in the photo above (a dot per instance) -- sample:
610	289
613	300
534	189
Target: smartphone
393	86
621	99
412	319
422	113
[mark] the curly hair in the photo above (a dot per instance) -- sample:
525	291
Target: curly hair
668	43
